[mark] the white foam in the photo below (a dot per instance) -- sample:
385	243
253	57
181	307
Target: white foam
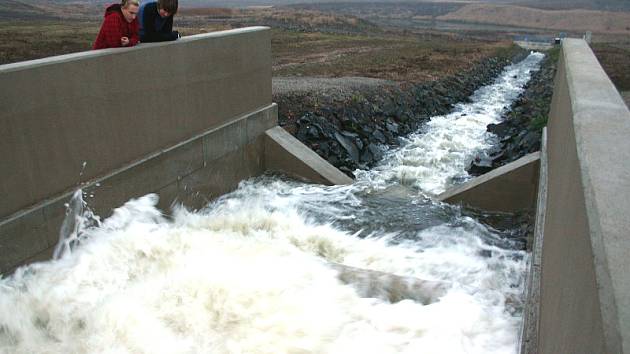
252	281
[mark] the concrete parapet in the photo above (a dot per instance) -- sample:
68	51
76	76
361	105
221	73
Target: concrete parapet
585	286
509	188
534	45
77	117
286	154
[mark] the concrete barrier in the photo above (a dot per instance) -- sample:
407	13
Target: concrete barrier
584	279
89	113
184	119
509	188
283	154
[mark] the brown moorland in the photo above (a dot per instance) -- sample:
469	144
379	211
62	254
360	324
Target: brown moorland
304	43
567	20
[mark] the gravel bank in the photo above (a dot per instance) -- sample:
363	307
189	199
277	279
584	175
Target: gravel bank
342	87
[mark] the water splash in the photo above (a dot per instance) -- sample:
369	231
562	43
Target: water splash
255	280
78	218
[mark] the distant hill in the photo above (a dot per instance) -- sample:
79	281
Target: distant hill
17	9
602	5
561	20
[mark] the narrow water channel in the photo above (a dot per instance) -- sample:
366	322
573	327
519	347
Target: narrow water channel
252	272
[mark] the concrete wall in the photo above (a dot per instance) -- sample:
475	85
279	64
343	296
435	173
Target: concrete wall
509	188
187	120
283	154
534	45
108	108
584	280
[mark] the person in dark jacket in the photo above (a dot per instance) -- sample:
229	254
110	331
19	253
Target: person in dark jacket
156	21
120	26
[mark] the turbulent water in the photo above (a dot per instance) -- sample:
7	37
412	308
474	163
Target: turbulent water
253	271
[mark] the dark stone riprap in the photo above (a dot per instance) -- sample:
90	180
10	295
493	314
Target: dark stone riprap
347	128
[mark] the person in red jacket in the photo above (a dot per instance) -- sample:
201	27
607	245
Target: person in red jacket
120	27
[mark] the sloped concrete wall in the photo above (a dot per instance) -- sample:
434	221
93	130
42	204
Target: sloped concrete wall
585	281
508	189
283	153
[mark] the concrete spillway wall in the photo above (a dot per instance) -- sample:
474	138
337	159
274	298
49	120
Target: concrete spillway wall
188	120
581	263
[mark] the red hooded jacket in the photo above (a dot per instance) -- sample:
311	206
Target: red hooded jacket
114	27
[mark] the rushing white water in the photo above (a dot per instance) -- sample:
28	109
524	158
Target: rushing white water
251	272
433	158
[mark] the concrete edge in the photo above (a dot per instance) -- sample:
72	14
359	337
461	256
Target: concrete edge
29	64
510	180
527	159
284	153
529	333
608	234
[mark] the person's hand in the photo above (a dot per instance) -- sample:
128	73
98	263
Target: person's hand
124	41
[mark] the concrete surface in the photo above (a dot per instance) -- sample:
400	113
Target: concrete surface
509	188
534	45
286	154
390	287
585	286
626	97
89	113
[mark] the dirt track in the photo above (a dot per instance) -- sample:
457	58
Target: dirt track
342	86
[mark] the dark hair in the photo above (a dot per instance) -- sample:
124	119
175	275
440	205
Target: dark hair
168	5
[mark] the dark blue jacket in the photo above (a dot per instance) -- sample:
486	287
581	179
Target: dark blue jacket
154	28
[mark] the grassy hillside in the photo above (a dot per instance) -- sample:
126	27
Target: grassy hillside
10	9
567	20
304	43
602	5
615	60
380	9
